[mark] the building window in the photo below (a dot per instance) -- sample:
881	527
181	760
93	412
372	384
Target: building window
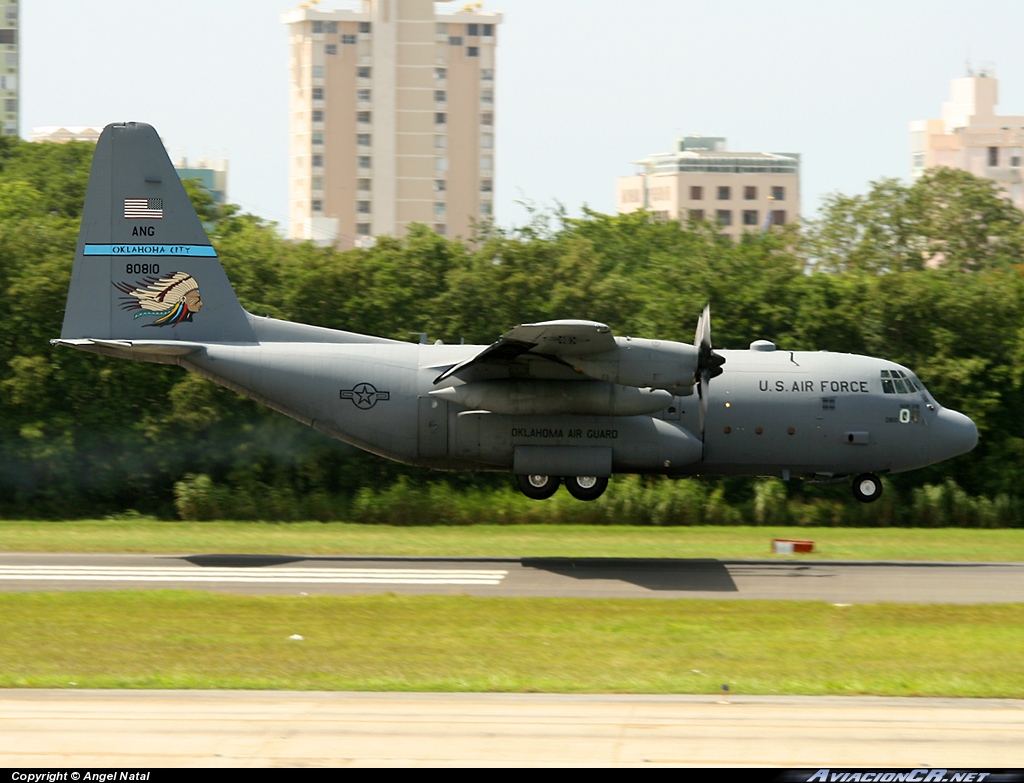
362	184
318	28
487	74
318	93
1015	160
488	30
363	116
363	139
724	217
318	72
486	164
331	27
439	208
486	118
363	207
363	229
750	217
697	194
455	40
363	161
993	156
440	229
440	185
363	95
486	96
363	72
724	193
750	192
441	74
779	217
486	185
440	96
317	205
473	51
485	208
778	193
318	139
318	115
472	29
7	37
331	48
318	161
365	27
348	39
440	142
440	118
442	28
441	164
696	215
318	183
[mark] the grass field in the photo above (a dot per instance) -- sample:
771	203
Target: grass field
315	538
172	639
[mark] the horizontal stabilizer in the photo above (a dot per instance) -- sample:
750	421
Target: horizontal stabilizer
160	351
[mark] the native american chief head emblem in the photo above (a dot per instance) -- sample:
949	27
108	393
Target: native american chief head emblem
172	299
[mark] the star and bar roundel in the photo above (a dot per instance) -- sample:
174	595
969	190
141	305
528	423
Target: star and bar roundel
364	395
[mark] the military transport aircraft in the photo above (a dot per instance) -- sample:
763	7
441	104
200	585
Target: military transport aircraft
553	402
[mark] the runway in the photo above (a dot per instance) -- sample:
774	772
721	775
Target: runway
140	729
837	582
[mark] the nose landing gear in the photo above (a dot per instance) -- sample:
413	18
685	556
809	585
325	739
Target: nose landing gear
867	488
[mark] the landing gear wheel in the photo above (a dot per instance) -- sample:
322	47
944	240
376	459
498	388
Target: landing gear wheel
586	487
537	487
867	488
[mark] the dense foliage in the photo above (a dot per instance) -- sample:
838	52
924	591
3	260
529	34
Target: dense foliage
928	275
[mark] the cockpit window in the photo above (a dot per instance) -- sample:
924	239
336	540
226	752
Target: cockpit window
899	382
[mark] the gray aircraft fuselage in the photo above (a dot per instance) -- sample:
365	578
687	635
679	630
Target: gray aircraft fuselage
770	412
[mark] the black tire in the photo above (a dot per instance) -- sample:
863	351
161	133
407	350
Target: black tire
867	488
586	487
537	487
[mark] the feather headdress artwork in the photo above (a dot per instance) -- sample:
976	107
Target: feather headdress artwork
172	299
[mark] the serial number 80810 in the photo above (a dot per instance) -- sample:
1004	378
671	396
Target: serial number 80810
142	269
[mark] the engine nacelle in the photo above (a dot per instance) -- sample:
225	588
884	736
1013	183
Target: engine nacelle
657	364
542	397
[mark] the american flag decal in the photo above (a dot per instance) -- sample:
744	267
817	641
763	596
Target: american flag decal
143	208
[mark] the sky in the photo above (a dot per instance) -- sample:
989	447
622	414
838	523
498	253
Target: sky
583	87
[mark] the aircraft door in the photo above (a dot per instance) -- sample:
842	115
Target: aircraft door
432	432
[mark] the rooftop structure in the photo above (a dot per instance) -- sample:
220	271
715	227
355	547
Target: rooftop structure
701	180
972	137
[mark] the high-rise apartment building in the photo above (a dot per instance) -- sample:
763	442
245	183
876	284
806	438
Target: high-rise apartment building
391	119
701	181
972	137
9	67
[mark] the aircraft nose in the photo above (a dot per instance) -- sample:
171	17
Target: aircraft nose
957	432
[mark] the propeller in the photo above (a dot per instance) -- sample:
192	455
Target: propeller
709	363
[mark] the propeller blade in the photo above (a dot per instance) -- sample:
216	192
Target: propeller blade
709	363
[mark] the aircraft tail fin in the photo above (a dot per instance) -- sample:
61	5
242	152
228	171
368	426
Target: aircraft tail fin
144	267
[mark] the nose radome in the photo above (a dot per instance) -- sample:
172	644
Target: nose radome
957	432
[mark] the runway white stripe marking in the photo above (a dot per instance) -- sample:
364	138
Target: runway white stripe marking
402	576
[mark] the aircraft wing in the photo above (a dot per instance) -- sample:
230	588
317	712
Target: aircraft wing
549	339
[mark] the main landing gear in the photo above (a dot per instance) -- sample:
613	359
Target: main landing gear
580	487
867	488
